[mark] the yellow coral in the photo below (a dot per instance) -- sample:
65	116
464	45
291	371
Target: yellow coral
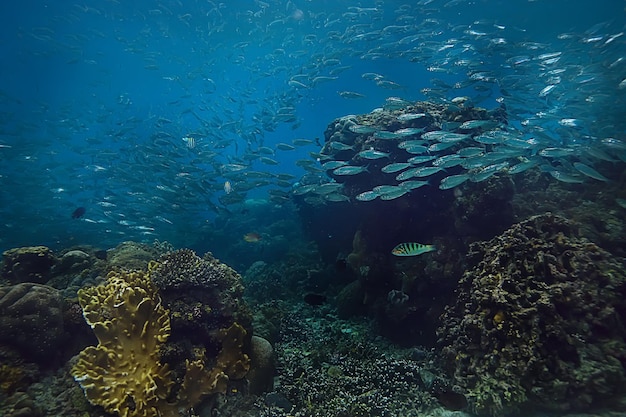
123	373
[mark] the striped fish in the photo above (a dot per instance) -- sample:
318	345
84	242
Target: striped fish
412	249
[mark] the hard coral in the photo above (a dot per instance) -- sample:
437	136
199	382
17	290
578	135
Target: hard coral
203	295
183	269
31	321
27	264
538	317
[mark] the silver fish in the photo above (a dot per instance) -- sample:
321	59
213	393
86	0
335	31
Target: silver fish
285	147
367	196
395	167
453	181
339	146
349	170
565	177
397	192
476	124
556	152
362	129
590	172
373	154
410	116
408	131
412	185
333	164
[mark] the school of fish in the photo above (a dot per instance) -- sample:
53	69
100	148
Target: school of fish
231	79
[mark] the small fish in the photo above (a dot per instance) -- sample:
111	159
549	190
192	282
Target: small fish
395	167
190	141
408	131
252	237
410	116
228	187
302	142
79	212
547	90
475	124
385	134
268	161
412	185
420	159
565	177
333	164
453	181
339	146
412	249
556	152
336	197
349	170
367	196
285	146
350	94
395	192
373	154
590	172
522	166
362	129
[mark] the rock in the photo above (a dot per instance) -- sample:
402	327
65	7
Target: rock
73	261
28	264
263	366
31	320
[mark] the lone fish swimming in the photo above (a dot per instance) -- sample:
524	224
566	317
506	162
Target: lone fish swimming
412	249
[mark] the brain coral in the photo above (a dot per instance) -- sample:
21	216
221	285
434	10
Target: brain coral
538	322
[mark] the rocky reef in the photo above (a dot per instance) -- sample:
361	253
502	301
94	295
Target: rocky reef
539	322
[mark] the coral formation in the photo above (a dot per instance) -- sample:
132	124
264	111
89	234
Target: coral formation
125	373
539	321
203	295
184	270
27	264
31	321
263	367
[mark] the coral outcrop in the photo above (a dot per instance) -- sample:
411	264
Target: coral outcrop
28	264
203	295
31	321
125	373
539	321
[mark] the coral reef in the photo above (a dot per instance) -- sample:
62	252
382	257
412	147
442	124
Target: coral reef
27	264
538	322
125	373
31	321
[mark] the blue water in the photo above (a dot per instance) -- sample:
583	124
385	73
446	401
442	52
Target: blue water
87	88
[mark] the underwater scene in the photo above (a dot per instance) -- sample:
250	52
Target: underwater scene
313	208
